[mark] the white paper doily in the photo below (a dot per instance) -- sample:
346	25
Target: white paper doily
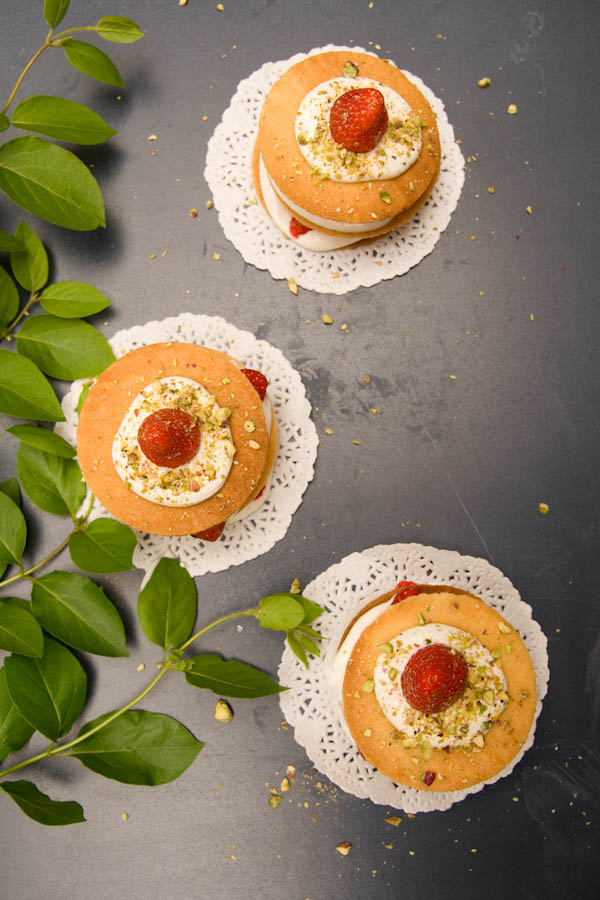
294	465
245	223
343	590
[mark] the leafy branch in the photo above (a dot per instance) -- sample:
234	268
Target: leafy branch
47	180
43	685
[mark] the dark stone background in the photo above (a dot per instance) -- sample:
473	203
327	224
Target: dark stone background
459	464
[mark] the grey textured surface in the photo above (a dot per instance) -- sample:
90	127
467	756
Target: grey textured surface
457	463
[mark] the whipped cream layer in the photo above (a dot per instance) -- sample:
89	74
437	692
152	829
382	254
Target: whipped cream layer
395	152
480	704
200	478
311	240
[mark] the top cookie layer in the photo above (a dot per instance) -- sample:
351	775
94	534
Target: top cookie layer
110	398
376	737
353	202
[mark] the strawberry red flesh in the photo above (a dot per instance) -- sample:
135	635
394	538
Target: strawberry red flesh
257	380
211	534
433	678
406	589
169	437
297	228
358	119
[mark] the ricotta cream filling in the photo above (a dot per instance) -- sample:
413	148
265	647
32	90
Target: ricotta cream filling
333	224
200	478
395	152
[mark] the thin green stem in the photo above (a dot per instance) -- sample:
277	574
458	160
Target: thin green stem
51	41
58	749
61	748
42	562
24	312
194	637
19	80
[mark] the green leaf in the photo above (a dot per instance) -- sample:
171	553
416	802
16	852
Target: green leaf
19	631
48	692
14	730
103	546
139	747
13	531
229	678
64	348
91	61
167	604
4	122
77	612
30	266
9	242
120	29
55	11
307	643
84	392
63	120
43	439
297	647
40	807
9	298
53	483
73	299
280	612
311	610
10	487
24	391
51	183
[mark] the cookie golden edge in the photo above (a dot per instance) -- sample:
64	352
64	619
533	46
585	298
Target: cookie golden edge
377	739
109	399
276	142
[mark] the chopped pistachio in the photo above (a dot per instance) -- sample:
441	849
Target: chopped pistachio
488	697
344	848
327	319
422	619
223	711
292	286
285	785
295	586
253	445
367	732
479	740
383	195
368	686
426	751
504	628
512	109
393	674
508	648
409	743
249	426
274	801
350	69
394	820
484	82
544	508
385	648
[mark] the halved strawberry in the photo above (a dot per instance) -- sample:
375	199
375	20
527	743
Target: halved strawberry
358	119
406	589
169	437
297	228
433	678
257	380
211	534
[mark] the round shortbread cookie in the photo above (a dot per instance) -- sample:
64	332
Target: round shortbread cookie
344	202
382	745
111	396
